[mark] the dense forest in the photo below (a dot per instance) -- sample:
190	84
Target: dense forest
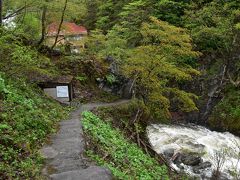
179	60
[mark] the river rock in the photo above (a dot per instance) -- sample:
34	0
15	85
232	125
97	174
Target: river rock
191	160
201	166
177	158
220	176
168	153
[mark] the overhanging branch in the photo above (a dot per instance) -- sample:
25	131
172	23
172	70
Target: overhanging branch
18	11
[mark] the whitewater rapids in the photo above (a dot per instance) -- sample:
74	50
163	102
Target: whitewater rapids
197	139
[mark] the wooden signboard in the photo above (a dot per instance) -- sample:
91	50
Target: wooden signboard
62	92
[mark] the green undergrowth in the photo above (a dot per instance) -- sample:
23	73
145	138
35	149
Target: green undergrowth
94	94
111	149
26	119
127	117
226	115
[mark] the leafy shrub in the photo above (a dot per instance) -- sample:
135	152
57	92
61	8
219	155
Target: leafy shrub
123	158
19	60
81	78
111	79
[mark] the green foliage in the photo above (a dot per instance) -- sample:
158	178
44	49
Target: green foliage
113	44
20	60
105	12
124	159
171	11
161	60
111	78
132	17
212	25
95	42
226	114
2	86
31	28
81	78
25	122
90	17
75	8
108	13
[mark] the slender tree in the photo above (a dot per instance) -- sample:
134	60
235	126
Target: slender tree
1	12
44	12
60	24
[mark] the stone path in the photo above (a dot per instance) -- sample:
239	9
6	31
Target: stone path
64	156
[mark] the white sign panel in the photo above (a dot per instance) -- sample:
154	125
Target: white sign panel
62	91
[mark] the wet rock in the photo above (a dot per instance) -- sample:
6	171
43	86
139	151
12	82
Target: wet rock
181	167
107	89
191	160
201	166
219	176
168	153
224	176
121	87
198	147
177	158
127	90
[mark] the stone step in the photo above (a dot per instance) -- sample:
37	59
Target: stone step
68	133
74	154
68	146
70	164
91	173
70	122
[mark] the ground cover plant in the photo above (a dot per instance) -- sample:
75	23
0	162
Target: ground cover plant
26	118
125	159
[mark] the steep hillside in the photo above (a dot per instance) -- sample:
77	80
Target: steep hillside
27	116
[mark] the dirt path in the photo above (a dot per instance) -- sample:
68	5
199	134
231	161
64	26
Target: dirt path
64	156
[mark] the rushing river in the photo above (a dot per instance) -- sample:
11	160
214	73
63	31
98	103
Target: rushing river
196	150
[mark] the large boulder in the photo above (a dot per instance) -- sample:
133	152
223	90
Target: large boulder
204	165
126	91
187	159
168	153
191	160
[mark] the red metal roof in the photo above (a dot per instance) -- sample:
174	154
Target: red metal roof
66	29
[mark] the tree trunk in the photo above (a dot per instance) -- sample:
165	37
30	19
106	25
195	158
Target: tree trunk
44	12
60	24
1	12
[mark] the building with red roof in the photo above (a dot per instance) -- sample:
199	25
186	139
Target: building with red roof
70	34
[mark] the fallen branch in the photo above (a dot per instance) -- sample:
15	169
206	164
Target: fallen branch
136	116
138	138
